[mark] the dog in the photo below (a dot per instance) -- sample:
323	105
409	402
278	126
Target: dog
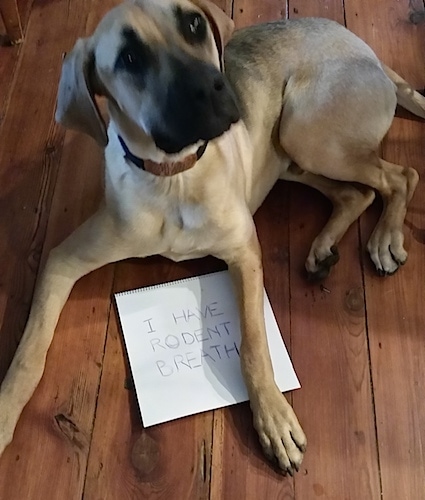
197	137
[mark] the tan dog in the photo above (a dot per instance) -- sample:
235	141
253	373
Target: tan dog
191	154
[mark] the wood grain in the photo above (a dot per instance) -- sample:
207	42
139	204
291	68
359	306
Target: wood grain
239	467
329	349
81	435
54	431
330	355
9	56
55	428
247	12
10	59
330	9
11	20
171	460
395	305
31	144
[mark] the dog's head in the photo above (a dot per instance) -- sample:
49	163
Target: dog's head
158	64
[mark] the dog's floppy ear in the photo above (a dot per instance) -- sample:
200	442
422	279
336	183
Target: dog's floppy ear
76	107
221	24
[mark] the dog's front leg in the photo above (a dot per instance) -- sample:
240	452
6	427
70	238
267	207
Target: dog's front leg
91	246
280	433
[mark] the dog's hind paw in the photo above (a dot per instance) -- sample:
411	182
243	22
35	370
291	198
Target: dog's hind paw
318	268
281	436
386	251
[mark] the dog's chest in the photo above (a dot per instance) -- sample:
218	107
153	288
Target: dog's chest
161	222
187	217
185	231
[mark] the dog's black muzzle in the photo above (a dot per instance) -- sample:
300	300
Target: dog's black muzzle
198	104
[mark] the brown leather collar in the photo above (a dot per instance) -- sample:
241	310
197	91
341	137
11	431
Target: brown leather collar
165	168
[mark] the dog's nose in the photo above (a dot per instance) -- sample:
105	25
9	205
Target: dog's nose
219	84
202	91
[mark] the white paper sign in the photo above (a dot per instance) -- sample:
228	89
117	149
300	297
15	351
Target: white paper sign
183	339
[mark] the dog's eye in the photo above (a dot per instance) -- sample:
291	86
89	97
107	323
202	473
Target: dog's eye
192	26
195	24
129	60
135	56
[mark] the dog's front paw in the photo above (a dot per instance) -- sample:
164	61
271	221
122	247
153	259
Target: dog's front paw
281	436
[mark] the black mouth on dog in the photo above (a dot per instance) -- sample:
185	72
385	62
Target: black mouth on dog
198	105
174	143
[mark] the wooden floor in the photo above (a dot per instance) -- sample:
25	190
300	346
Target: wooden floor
357	341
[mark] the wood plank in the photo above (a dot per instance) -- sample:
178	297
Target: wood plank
247	12
9	59
395	305
329	348
178	460
12	21
9	56
54	432
29	167
330	354
330	9
126	460
239	468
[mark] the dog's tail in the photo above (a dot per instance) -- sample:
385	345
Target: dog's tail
407	97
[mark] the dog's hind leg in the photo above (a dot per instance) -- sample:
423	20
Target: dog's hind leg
338	136
88	248
349	202
396	185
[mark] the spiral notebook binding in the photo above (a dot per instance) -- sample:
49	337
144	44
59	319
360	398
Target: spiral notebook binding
161	285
